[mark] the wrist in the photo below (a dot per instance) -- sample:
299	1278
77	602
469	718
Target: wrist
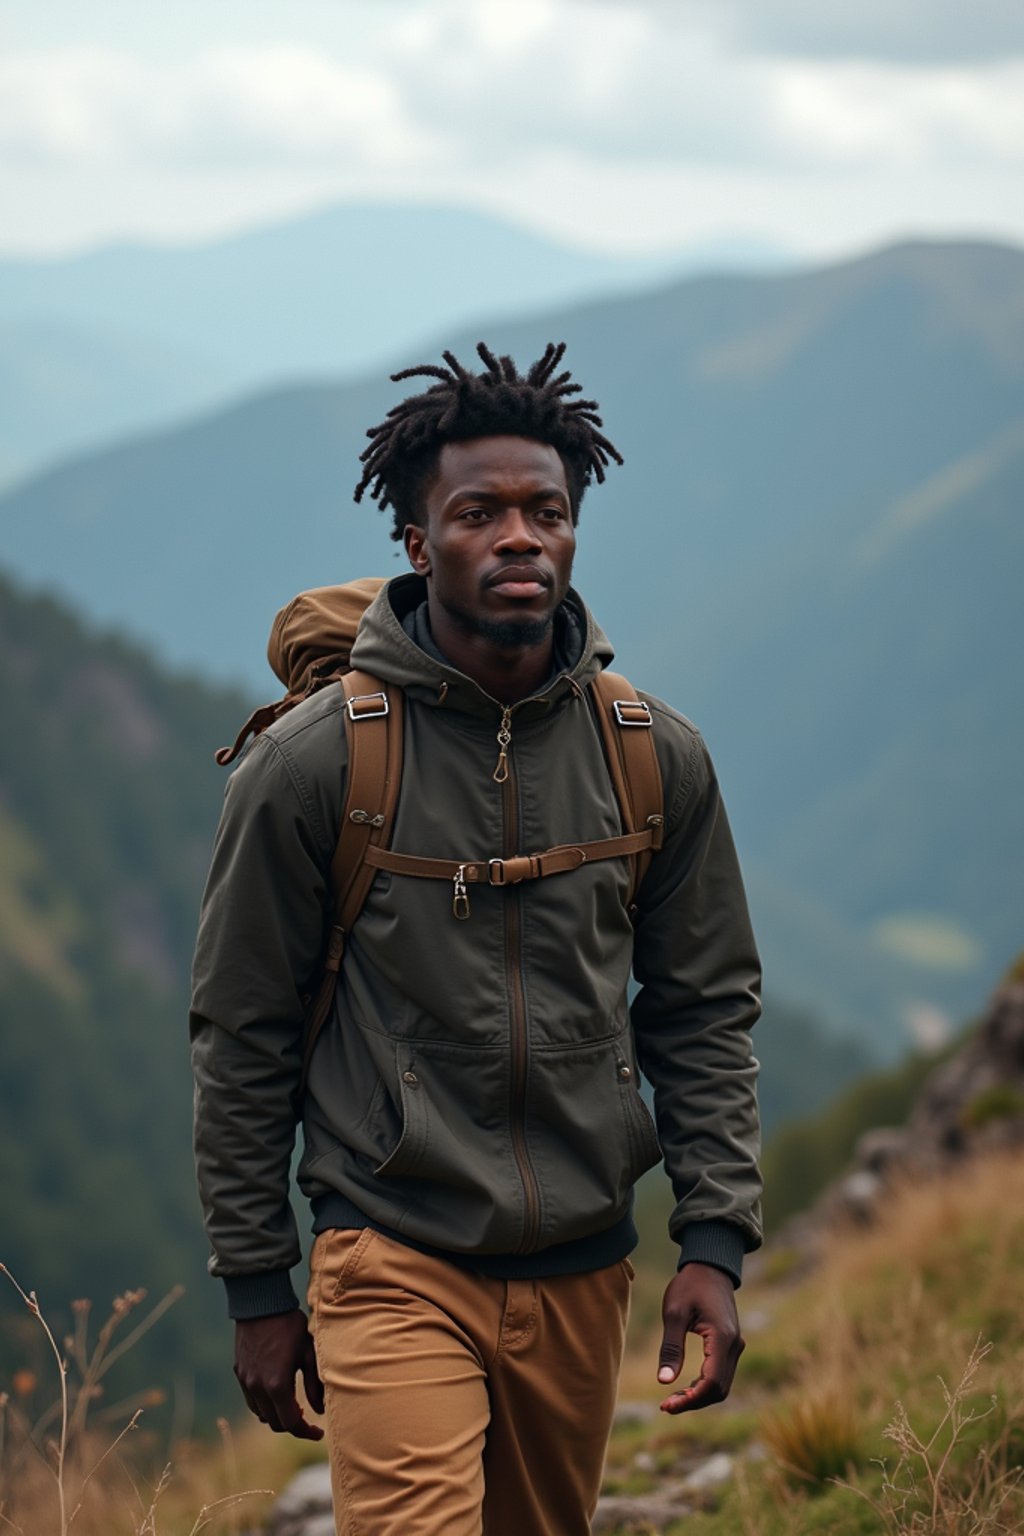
716	1243
266	1294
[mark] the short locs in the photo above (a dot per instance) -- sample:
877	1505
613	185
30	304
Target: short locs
498	402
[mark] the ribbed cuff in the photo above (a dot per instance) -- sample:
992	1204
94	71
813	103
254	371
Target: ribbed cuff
262	1295
713	1242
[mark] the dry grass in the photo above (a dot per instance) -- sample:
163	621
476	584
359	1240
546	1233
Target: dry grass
842	1379
923	1495
844	1370
73	1471
815	1439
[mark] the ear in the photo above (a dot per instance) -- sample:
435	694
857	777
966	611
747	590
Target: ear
416	548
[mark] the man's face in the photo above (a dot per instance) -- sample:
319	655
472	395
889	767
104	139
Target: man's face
498	541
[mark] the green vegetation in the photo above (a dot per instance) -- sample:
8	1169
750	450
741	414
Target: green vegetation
108	799
1000	1102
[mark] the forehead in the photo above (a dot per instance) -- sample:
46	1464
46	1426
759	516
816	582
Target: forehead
498	464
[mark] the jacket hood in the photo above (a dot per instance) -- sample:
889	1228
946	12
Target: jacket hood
385	648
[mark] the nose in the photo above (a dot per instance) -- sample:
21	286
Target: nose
516	532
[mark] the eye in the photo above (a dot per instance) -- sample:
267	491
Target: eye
472	514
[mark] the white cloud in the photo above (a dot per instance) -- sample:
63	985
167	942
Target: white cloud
273	101
615	82
474	82
614	121
882	114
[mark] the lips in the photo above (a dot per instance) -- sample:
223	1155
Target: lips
520	581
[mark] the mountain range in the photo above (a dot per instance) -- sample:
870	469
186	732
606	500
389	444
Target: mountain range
814	548
99	345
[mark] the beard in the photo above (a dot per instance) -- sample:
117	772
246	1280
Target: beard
507	634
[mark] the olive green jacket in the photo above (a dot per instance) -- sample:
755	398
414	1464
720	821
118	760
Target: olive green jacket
476	1088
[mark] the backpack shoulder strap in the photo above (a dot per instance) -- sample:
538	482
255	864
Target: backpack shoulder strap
627	731
373	727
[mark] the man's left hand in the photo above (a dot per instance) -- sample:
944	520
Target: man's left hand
700	1300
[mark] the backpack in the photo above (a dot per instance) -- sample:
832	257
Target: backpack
309	648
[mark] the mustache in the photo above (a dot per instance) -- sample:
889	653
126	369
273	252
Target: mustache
525	572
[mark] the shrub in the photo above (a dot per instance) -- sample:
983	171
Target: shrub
815	1439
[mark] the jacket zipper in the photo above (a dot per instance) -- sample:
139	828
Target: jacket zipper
504	774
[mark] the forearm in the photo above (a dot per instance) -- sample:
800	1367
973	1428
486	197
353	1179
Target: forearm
697	963
704	1076
260	935
245	1096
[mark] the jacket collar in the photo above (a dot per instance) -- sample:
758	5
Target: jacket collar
384	648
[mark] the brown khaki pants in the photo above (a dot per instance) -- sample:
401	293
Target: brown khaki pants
459	1404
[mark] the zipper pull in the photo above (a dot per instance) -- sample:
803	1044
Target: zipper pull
500	773
460	896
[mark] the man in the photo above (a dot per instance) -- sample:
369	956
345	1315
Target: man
472	1121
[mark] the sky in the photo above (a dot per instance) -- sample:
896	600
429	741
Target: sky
617	125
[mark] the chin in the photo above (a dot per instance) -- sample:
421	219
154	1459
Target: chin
515	634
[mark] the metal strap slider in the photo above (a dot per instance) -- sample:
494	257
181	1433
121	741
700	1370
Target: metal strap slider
367	706
633	712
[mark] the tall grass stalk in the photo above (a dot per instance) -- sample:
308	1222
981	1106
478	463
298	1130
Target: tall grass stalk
32	1303
923	1495
71	1414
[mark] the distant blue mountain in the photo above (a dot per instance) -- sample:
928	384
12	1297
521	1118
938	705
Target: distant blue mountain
98	346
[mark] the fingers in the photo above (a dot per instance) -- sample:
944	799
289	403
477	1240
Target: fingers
311	1378
280	1411
722	1349
269	1354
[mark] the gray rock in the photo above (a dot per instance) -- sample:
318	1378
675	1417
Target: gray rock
305	1507
970	1103
883	1148
710	1474
630	1415
641	1511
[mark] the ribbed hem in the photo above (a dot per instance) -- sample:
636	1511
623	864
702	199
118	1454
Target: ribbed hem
579	1256
262	1295
714	1242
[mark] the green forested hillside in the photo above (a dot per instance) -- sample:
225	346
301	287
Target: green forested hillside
108	799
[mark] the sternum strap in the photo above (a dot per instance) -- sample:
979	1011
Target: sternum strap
511	871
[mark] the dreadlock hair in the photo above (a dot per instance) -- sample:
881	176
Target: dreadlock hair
405	446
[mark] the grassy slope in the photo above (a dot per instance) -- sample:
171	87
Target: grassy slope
892	1313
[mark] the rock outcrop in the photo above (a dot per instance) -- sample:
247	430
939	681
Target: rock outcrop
972	1102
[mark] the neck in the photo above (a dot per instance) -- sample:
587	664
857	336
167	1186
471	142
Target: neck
508	673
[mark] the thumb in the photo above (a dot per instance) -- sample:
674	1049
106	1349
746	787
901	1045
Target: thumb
673	1348
311	1377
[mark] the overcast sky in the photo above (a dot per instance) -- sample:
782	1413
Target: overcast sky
616	124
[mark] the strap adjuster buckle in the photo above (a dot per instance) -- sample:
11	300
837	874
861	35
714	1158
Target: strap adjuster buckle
512	870
378	702
633	712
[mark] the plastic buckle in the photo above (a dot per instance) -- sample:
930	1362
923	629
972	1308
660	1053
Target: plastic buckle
622	706
383	708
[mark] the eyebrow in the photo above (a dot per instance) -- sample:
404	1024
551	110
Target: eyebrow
543	493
